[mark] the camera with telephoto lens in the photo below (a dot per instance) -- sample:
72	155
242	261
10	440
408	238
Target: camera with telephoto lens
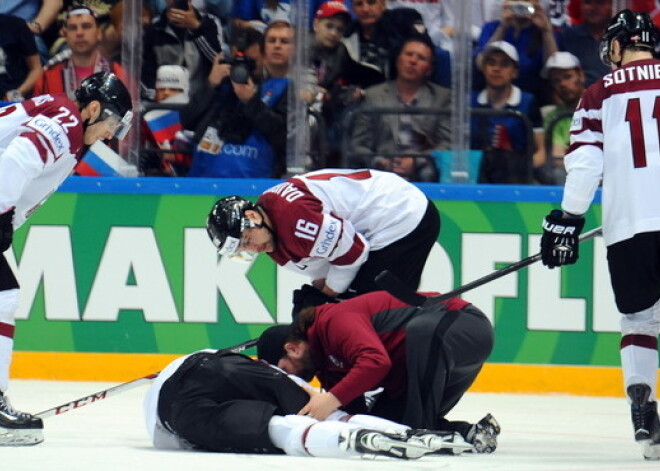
522	9
242	66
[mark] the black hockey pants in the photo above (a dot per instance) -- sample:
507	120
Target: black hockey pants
445	351
224	401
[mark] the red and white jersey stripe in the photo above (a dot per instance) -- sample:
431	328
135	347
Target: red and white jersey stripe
615	139
327	221
40	141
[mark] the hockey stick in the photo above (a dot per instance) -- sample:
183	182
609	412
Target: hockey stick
83	401
390	283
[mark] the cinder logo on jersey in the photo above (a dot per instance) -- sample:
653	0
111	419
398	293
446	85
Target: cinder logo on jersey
51	131
328	236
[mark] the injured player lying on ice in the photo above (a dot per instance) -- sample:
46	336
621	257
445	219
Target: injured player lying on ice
227	402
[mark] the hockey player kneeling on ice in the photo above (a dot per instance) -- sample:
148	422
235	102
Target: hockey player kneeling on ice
424	359
227	402
41	140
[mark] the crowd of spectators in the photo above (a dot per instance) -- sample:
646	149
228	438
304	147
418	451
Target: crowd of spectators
380	73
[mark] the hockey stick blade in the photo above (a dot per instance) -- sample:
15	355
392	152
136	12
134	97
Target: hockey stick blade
390	283
97	396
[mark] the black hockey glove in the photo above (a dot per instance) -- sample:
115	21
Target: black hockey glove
560	240
308	296
6	229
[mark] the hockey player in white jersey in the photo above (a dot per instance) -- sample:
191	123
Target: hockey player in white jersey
339	227
41	140
615	139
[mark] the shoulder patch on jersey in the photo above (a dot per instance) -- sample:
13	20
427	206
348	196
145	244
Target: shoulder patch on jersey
52	131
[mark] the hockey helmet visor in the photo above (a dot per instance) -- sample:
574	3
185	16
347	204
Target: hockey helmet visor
119	125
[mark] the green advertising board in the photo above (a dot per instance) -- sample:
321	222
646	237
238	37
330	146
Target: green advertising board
125	266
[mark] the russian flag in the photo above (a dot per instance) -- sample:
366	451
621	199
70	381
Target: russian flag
101	161
163	124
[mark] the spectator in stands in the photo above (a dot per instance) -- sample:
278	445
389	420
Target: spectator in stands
583	40
258	14
531	34
278	49
437	15
557	10
504	139
39	16
81	59
162	127
20	66
378	33
387	141
241	131
111	44
181	36
340	79
566	77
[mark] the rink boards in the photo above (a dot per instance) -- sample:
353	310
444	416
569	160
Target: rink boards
118	277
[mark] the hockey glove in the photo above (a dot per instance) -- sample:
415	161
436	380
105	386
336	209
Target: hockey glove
308	296
6	229
559	243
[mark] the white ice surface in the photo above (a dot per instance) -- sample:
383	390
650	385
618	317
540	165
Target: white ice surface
539	432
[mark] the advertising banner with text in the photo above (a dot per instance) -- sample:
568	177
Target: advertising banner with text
129	268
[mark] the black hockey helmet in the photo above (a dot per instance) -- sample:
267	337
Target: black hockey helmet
226	222
630	29
115	99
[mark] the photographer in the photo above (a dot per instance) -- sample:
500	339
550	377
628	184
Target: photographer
183	36
239	114
526	26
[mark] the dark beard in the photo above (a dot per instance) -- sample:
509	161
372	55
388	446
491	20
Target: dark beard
308	368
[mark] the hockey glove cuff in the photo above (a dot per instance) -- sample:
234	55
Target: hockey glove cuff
560	240
6	229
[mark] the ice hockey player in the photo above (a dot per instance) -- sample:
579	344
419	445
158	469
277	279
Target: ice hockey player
338	227
614	140
227	402
41	140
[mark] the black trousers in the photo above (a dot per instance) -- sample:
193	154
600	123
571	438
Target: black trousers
224	401
635	272
405	258
7	277
445	351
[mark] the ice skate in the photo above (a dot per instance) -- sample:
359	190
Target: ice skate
646	423
483	435
381	443
18	428
440	442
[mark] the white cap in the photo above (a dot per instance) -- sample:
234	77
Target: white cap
560	60
502	46
173	76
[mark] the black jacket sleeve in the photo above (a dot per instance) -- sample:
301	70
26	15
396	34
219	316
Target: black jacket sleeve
272	123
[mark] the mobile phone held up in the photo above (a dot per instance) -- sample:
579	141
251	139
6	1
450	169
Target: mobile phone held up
522	9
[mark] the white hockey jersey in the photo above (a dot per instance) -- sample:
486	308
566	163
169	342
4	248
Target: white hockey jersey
40	141
615	138
327	221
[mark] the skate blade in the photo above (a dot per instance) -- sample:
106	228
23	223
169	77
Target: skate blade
459	447
651	450
20	437
400	449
